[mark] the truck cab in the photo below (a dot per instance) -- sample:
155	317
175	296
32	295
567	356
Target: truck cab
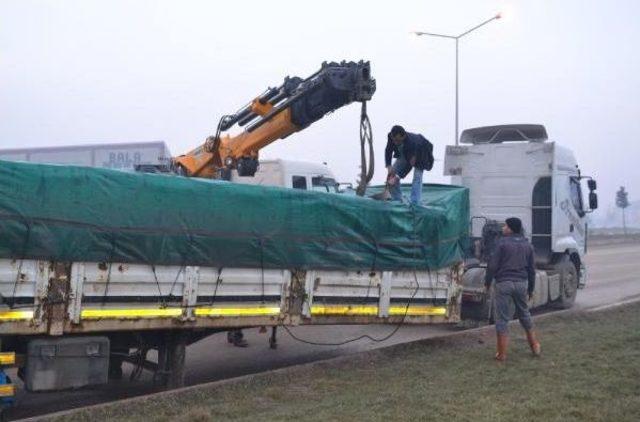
514	171
291	174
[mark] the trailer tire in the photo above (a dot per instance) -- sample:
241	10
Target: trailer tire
568	273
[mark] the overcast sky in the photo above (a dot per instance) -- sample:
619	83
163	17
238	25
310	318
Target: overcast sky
76	72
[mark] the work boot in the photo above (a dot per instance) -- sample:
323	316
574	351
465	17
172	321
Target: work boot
534	344
236	338
502	341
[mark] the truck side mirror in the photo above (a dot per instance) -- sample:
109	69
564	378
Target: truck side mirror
593	200
592	186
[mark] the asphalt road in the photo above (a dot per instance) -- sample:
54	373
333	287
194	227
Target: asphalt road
613	277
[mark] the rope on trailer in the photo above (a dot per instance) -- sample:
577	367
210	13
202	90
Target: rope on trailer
262	266
404	316
175	281
106	286
215	290
22	255
163	304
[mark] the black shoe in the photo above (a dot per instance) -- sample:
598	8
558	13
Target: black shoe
237	338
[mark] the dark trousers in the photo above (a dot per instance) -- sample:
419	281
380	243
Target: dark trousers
512	295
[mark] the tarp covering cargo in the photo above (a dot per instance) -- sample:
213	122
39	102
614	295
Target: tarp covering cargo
68	213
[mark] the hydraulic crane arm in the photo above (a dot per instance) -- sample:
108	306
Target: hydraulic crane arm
276	114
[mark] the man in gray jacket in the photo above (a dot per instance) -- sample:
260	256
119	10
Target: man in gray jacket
512	267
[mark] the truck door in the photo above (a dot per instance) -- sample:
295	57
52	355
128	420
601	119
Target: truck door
569	216
578	224
541	219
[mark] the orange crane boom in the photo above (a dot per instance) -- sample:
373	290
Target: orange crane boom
276	114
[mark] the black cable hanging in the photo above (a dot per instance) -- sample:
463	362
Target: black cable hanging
404	316
366	138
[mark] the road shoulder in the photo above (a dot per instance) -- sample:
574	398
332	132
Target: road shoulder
589	358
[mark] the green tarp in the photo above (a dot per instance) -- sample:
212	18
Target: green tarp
69	213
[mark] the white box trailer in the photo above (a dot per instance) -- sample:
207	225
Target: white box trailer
117	156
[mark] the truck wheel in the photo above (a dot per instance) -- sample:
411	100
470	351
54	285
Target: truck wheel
482	312
568	282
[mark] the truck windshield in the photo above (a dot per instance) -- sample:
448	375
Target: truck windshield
324	184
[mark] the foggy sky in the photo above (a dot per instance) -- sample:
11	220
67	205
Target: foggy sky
122	71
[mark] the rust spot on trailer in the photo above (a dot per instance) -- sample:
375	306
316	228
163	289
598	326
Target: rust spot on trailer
102	266
121	268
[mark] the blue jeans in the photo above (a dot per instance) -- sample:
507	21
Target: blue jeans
402	168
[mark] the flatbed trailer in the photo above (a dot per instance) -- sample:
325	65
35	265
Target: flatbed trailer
64	319
289	258
46	298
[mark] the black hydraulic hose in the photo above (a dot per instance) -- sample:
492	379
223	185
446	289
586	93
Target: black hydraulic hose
366	138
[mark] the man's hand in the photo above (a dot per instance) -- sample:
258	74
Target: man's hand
390	171
529	296
412	161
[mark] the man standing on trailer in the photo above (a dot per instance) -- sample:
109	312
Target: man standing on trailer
411	150
512	267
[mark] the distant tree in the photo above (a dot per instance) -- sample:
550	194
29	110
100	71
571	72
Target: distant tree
622	201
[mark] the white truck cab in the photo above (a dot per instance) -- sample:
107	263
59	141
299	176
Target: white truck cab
291	174
513	171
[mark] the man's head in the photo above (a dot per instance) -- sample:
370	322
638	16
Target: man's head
398	134
513	225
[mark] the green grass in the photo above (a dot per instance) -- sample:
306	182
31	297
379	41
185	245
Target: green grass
589	371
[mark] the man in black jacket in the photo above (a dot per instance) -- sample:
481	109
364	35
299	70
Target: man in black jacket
411	150
512	267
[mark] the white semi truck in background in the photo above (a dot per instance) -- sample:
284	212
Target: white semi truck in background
513	171
117	156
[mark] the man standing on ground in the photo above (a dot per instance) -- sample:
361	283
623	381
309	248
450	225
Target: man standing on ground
411	150
512	267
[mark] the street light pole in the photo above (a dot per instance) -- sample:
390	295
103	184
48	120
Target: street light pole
456	38
457	92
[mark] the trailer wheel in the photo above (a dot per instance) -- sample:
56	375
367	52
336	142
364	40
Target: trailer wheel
568	282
